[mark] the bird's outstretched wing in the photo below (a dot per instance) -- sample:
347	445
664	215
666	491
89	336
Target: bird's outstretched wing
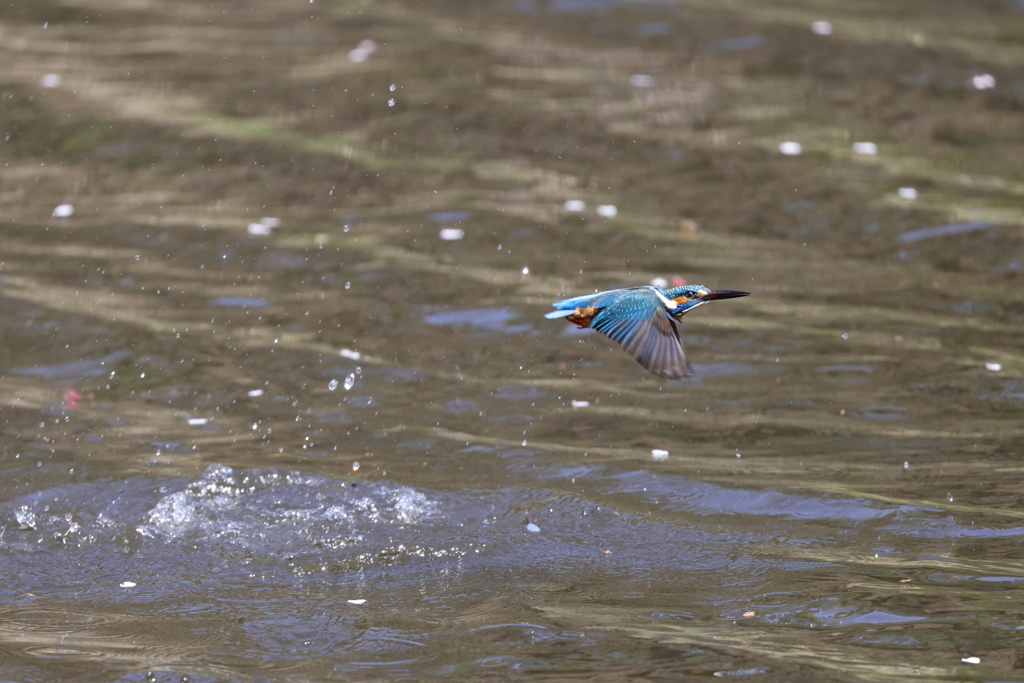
640	323
597	299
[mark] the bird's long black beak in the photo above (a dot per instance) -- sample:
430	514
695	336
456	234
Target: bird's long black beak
716	294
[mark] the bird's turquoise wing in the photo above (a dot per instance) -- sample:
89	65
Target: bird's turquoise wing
640	323
597	299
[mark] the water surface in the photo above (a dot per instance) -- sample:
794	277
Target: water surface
278	402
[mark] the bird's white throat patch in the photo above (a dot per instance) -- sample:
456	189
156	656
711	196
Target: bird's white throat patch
669	304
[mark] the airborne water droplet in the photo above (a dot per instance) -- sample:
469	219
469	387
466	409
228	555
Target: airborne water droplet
949	497
333	384
350	381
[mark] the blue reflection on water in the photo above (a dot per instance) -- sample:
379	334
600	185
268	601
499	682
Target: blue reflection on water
240	302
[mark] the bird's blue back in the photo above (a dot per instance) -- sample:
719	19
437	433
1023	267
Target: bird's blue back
597	299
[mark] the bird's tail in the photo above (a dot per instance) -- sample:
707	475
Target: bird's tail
559	314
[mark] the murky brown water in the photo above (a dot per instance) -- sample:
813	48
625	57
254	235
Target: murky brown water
261	422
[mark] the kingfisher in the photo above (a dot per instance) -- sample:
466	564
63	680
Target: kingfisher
643	321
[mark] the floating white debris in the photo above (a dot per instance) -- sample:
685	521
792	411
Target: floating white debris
641	81
971	660
533	528
332	385
63	211
451	234
363	51
194	421
360	601
868	148
908	193
575	205
350	381
51	80
983	82
607	210
526	271
659	454
350	354
581	404
127	584
659	282
994	367
263	228
255	393
790	148
822	28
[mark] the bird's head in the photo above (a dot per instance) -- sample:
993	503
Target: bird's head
689	297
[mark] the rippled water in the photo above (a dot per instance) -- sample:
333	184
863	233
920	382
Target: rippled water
278	400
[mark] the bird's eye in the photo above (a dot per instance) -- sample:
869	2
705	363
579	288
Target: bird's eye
691	295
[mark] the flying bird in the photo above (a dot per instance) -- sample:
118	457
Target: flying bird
643	321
